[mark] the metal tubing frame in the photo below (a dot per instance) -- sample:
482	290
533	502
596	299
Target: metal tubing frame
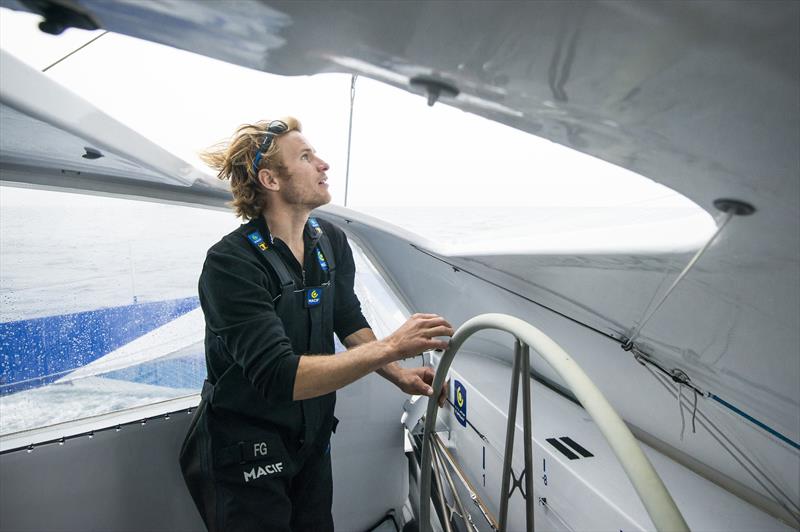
464	514
509	450
525	375
440	494
473	493
520	371
654	495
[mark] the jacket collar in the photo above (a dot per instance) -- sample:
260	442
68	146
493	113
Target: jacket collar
310	234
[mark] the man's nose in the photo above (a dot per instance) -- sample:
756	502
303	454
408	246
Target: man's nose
323	166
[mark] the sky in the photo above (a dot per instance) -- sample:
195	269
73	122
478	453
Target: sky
405	156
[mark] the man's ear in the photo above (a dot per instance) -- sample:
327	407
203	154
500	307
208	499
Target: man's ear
268	180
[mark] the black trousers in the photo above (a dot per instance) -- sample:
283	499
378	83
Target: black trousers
300	503
254	495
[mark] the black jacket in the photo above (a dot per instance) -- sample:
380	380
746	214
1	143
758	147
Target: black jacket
246	338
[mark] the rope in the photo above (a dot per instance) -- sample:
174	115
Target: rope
353	79
743	461
680	408
726	217
550	509
79	48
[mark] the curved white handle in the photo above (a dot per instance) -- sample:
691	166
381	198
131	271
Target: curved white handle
657	500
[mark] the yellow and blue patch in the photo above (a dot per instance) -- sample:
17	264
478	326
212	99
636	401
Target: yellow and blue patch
257	240
313	297
321	259
460	403
315	225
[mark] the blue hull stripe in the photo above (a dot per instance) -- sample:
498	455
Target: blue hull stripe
39	351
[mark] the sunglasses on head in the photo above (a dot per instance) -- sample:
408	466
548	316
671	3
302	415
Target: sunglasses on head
276	127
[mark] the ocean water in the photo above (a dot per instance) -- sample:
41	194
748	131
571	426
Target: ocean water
64	253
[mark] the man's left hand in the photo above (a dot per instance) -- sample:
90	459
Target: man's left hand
418	381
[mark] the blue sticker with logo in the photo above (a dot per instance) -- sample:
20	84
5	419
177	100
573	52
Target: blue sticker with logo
321	259
257	240
315	225
313	297
460	403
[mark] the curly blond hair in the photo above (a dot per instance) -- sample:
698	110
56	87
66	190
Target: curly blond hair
234	159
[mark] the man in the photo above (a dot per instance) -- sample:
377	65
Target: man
274	291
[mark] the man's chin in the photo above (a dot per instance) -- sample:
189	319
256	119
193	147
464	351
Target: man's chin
325	200
311	203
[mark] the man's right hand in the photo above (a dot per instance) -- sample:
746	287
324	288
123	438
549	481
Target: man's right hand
419	333
318	375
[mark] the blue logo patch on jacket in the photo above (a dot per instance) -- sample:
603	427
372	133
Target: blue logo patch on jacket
321	259
460	403
257	240
313	297
315	225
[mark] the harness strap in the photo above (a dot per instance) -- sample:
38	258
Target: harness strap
284	277
318	302
323	251
324	245
266	447
277	264
235	454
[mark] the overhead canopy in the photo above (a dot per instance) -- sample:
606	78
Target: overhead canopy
54	137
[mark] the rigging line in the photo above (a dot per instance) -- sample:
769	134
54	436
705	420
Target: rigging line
680	385
726	217
665	383
508	290
629	344
555	61
667	378
705	422
676	375
680	408
79	48
479	433
458	508
476	499
753	466
680	377
446	513
795	513
353	79
753	420
548	508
